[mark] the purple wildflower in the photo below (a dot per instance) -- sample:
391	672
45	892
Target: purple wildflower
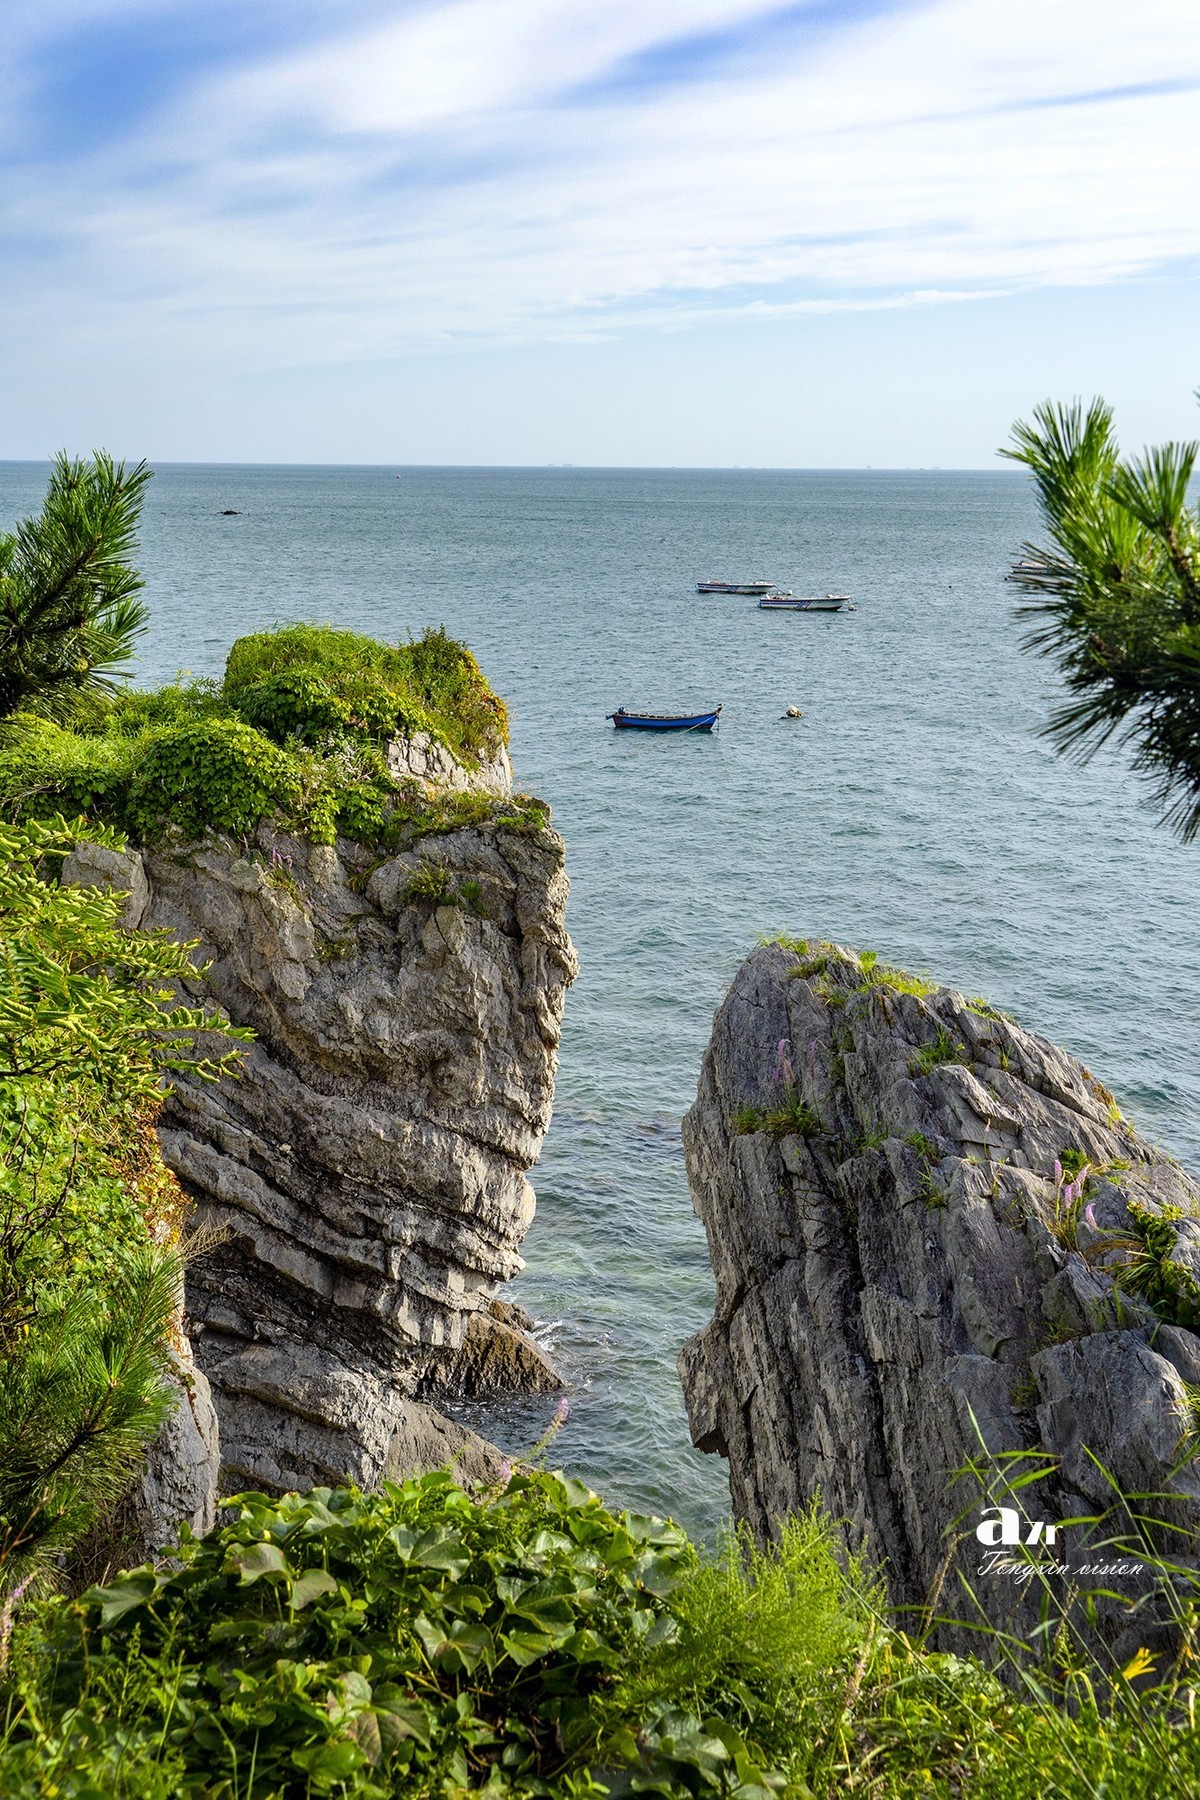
6	1618
1089	1213
562	1411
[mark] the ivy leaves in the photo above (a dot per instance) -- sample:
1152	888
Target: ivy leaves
421	1640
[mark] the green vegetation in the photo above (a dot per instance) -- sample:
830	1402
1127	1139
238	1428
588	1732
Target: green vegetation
89	1215
790	1117
942	1049
1116	596
305	683
878	974
428	1641
931	1191
924	1146
820	962
69	612
1152	1271
296	732
433	883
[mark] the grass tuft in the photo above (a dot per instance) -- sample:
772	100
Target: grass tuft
943	1049
790	1117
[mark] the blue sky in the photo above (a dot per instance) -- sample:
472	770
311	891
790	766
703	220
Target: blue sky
824	232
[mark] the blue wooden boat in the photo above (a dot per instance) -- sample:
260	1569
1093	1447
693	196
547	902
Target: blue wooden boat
632	721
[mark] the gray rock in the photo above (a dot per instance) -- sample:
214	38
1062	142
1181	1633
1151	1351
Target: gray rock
904	1291
421	758
178	1485
495	1359
180	1480
361	1187
424	1440
117	871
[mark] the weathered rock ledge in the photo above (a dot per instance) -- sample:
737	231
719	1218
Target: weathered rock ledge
904	1279
361	1189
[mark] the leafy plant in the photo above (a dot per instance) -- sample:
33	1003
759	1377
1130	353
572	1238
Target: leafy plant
89	1278
69	612
308	682
1071	1189
295	734
931	1191
524	1641
1153	1271
924	1146
433	883
216	775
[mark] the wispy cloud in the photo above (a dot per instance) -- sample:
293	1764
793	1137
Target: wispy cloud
321	181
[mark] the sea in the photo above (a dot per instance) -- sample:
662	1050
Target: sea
914	809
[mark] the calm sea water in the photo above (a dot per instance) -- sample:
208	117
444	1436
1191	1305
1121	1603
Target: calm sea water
913	810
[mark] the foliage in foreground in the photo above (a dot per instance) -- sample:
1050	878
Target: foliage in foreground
296	732
89	1214
1117	596
69	612
427	1641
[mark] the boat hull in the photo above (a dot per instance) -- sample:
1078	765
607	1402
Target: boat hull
735	587
828	603
627	721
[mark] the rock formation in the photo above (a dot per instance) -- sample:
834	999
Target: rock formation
361	1188
915	1211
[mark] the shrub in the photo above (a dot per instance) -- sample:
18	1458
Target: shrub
294	733
47	772
1153	1273
432	882
219	774
524	1641
307	681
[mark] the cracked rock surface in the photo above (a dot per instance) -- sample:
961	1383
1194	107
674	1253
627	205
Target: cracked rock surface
361	1188
905	1281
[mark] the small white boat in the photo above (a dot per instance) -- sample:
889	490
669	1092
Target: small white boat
1030	573
735	587
807	603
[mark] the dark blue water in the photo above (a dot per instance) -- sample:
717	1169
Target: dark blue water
913	810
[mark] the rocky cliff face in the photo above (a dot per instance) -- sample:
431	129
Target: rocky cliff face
915	1211
361	1189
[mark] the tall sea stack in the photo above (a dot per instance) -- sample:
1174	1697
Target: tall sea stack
360	1189
936	1243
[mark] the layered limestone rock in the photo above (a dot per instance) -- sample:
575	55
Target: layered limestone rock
361	1188
915	1211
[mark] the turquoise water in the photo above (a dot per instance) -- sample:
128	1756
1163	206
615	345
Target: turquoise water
913	810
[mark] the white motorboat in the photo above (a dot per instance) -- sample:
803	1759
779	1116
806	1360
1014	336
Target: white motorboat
735	587
825	603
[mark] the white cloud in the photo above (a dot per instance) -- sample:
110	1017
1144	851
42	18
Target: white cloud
439	176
